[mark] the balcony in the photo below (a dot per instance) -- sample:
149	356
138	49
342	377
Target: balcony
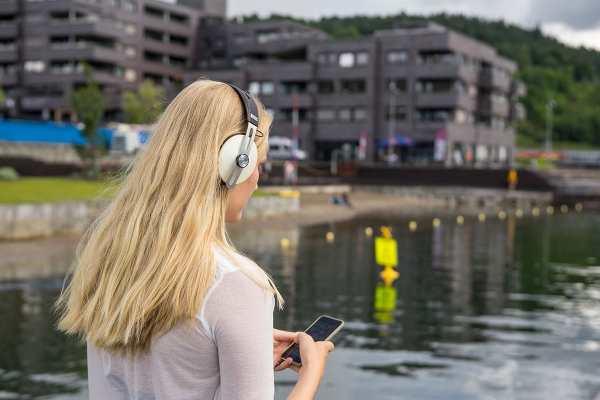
518	112
446	100
438	70
489	79
86	51
84	26
8	29
488	107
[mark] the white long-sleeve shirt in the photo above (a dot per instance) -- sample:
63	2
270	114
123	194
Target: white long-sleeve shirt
227	354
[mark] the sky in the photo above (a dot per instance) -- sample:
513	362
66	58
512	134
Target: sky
573	22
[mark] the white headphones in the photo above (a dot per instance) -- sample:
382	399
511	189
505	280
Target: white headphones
238	155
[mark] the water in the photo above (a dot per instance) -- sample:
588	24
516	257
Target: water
497	310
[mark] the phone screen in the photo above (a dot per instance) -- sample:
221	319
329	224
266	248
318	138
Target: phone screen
319	331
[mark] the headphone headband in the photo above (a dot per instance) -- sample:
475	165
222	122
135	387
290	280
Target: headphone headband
250	108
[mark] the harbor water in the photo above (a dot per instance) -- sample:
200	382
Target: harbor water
501	309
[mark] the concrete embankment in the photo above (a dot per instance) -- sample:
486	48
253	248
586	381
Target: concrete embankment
26	221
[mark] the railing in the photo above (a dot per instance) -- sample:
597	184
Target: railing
8	47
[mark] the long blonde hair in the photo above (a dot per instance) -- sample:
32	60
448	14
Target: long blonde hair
146	264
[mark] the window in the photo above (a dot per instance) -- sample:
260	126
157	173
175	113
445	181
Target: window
345	114
177	61
396	56
353	86
398	111
434	114
346	60
461	116
130	51
400	84
292	87
267	88
261	88
131	6
362	58
325	114
114	3
153	35
179	19
439	57
178	40
285	114
326	58
325	87
130	75
360	114
254	87
352	114
472	90
34	66
436	86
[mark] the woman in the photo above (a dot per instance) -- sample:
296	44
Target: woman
168	308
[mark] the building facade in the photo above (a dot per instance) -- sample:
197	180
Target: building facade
44	44
420	81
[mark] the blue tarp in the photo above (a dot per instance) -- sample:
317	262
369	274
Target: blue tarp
45	132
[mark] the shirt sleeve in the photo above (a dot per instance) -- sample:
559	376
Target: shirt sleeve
239	317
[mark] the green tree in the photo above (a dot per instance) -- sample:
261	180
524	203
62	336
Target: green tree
89	104
145	105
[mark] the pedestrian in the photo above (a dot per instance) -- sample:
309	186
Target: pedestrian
512	179
168	307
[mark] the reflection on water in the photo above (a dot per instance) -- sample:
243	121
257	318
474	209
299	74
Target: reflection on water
496	310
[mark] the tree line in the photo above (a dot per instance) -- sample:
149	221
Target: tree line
569	75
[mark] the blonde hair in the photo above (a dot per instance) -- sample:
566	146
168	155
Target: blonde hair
146	264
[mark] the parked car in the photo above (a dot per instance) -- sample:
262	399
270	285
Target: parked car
280	148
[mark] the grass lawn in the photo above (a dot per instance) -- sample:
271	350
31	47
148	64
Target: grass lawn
43	190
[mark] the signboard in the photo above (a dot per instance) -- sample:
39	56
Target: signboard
386	251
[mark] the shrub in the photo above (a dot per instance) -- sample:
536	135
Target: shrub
8	174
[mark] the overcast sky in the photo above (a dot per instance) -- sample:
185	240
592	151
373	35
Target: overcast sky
575	22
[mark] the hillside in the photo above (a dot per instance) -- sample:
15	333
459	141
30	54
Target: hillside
571	76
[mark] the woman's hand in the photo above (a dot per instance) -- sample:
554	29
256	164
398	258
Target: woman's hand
313	354
281	341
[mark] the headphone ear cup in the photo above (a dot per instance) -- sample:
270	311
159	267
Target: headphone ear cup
228	155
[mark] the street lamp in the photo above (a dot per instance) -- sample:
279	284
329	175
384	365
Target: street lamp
392	123
549	106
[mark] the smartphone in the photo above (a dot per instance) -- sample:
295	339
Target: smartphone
324	328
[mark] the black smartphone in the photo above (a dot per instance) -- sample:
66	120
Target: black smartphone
324	328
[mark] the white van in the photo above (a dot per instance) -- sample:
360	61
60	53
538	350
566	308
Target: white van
280	148
126	139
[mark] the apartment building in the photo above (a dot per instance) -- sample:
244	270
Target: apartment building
420	81
44	43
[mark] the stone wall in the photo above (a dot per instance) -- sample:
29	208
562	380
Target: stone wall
26	221
47	152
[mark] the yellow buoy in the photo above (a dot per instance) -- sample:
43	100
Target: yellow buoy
578	207
330	236
412	226
436	222
502	215
285	243
535	211
460	220
481	217
519	213
564	208
550	210
369	231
